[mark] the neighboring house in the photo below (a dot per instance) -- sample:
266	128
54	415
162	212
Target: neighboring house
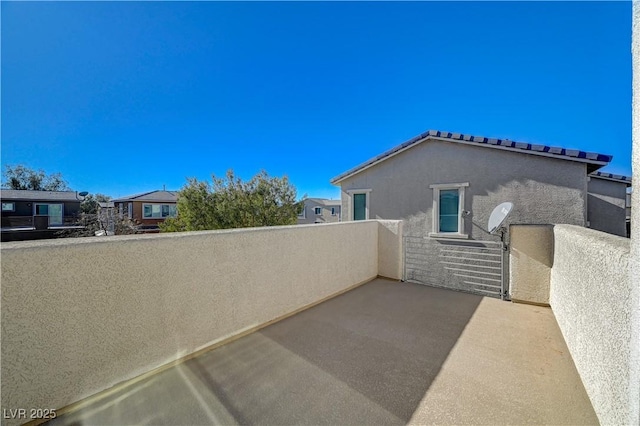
445	185
30	215
608	204
320	210
149	208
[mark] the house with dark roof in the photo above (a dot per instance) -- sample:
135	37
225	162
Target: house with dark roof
148	209
444	186
320	210
30	215
609	203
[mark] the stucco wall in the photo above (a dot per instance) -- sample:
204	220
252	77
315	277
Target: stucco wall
390	255
80	315
634	272
606	206
590	297
543	190
531	259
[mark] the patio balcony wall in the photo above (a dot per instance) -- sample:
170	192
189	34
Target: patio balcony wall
584	276
82	315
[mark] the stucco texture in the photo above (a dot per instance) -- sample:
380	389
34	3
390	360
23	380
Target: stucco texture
606	206
543	191
590	298
531	259
390	259
634	271
81	315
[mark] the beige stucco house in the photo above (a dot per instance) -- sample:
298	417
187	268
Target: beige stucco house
320	210
444	187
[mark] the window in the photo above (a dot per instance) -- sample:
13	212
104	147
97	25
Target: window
303	213
317	210
8	207
448	208
54	211
359	203
158	211
333	211
42	209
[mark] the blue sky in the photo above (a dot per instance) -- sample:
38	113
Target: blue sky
125	97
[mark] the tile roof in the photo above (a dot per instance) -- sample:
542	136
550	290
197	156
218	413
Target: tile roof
611	176
27	195
157	196
593	158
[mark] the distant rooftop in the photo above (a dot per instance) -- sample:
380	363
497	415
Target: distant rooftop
325	201
611	176
593	159
154	196
28	195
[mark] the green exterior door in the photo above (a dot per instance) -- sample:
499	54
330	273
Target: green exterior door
359	206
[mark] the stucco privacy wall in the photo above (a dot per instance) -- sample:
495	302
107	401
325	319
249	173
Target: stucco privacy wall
606	206
531	259
390	256
634	271
80	315
590	298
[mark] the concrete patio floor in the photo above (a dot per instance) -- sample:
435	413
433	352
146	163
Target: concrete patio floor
384	353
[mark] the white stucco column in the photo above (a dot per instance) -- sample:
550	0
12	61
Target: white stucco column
634	391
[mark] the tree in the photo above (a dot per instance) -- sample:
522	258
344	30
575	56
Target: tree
101	223
195	208
90	204
230	202
22	177
96	221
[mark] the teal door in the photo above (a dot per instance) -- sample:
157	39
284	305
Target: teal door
359	206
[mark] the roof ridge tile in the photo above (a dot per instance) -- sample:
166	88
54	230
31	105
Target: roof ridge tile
550	151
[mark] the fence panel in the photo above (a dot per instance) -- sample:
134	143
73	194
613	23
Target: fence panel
465	265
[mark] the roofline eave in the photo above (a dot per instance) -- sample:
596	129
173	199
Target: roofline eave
370	163
627	182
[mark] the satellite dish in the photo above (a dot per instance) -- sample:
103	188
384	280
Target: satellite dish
83	193
498	216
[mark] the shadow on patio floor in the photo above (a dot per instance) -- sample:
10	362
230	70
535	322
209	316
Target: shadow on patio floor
365	357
